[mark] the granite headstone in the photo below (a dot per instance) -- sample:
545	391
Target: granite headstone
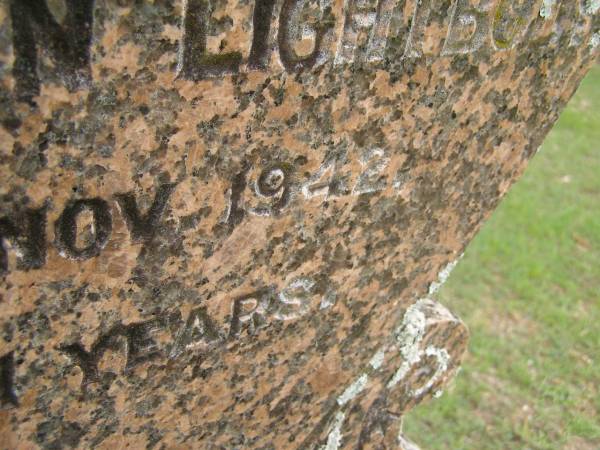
222	222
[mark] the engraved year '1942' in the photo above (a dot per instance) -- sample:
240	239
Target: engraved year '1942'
472	25
266	191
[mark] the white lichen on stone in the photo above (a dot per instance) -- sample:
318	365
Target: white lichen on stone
353	390
334	438
592	7
399	375
409	336
443	276
377	360
595	41
328	299
547	8
408	340
443	359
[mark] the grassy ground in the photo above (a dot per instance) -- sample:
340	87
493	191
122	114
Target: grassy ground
529	290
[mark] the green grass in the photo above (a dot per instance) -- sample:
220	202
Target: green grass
529	290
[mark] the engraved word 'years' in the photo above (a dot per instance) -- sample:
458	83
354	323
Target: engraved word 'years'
472	25
171	336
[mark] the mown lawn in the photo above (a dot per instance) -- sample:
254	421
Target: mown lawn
529	290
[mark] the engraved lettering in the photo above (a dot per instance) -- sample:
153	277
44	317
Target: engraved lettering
291	30
198	331
8	395
194	62
548	11
235	213
510	22
68	45
316	186
294	300
248	312
416	36
375	161
380	31
140	344
402	176
271	181
139	347
587	8
326	182
88	361
469	27
28	239
66	228
328	299
359	15
261	21
304	35
273	184
544	22
143	228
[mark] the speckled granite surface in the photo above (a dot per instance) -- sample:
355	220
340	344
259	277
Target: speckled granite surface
221	220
